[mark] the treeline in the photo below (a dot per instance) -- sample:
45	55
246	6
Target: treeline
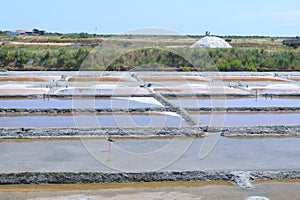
73	59
242	37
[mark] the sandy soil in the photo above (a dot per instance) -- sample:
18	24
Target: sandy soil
295	78
271	189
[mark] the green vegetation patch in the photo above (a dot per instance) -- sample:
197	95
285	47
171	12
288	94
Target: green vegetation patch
67	58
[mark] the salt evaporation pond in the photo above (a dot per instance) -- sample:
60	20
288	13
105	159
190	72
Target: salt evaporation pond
29	78
72	155
277	89
247	119
102	91
251	79
101	79
21	89
175	79
189	102
94	121
34	103
201	89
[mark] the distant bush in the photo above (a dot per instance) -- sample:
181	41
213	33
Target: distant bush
78	36
46	39
186	69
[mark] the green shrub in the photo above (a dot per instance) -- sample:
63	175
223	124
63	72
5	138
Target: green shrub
186	69
251	67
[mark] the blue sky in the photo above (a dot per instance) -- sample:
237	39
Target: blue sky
230	17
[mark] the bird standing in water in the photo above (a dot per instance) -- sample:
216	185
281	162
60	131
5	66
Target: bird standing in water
109	140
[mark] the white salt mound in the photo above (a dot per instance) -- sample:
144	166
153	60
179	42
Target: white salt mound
257	198
211	42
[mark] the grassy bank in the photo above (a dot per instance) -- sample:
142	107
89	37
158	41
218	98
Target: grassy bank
267	57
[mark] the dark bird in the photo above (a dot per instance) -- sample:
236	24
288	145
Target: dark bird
110	140
149	84
143	85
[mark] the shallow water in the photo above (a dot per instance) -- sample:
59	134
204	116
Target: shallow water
85	91
23	91
102	91
143	102
247	119
277	91
235	102
91	120
141	154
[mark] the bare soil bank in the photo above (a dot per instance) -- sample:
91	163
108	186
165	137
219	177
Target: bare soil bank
242	179
124	132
